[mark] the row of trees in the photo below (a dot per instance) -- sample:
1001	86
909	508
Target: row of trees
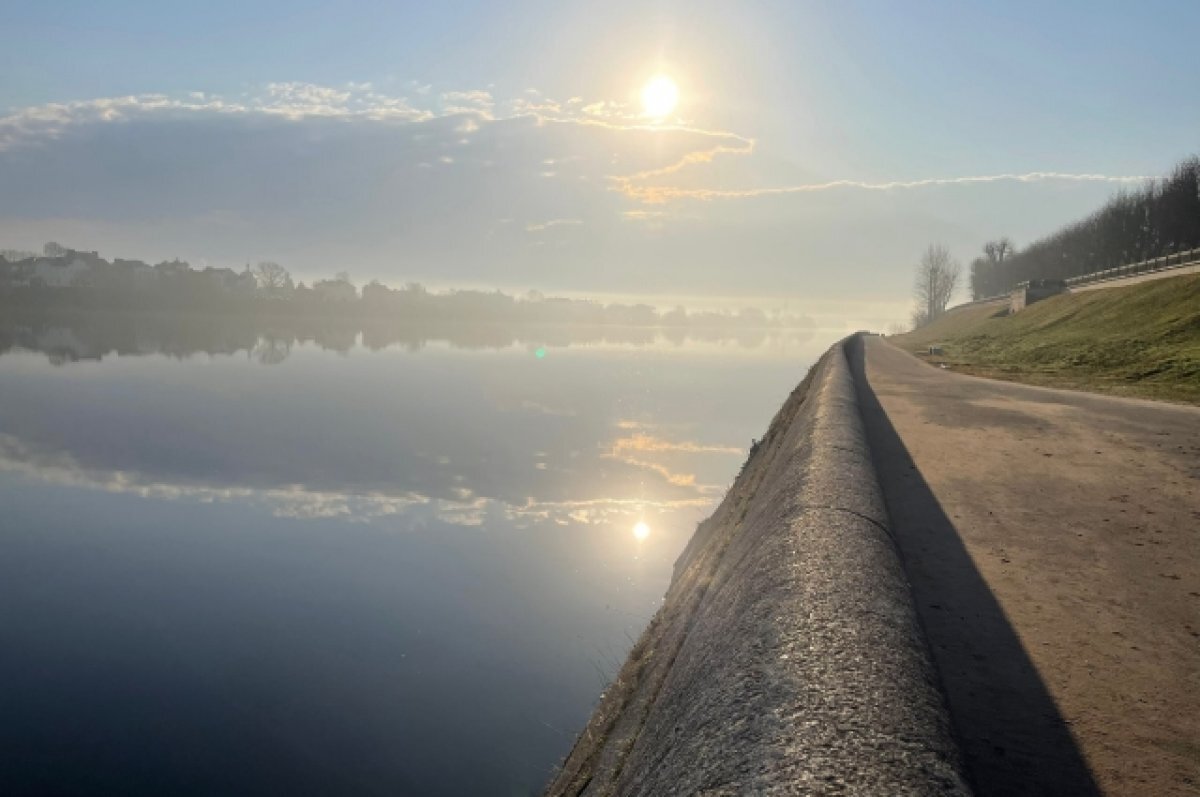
269	289
1161	218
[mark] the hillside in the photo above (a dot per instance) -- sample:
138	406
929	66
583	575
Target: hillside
1142	340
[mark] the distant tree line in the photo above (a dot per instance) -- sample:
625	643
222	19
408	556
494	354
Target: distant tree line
1161	218
67	279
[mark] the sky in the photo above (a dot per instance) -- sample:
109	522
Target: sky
816	149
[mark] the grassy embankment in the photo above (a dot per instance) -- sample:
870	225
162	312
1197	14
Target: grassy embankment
1142	340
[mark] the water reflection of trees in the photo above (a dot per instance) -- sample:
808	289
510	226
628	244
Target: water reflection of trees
70	336
271	350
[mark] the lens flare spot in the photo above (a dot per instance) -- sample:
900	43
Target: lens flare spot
540	352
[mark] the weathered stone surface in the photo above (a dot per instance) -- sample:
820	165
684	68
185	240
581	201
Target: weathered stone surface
787	657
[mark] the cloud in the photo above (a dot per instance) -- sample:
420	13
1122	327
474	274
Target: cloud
739	146
650	443
663	194
309	99
475	101
639	449
291	100
545	225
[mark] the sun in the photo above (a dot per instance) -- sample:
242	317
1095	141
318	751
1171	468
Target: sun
640	530
659	97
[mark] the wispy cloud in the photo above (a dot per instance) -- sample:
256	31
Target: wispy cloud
290	100
542	226
645	443
740	146
474	101
639	448
659	194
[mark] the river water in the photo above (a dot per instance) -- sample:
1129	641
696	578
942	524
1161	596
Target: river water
241	560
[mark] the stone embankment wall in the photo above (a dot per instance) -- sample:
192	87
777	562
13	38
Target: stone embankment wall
1027	293
787	657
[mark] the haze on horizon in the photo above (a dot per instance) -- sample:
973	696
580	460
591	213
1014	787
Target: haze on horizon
797	150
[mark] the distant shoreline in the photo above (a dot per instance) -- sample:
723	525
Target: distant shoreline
70	334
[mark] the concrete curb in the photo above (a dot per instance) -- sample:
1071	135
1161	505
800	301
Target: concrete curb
787	657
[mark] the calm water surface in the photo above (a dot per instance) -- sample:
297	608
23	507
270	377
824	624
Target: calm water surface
342	563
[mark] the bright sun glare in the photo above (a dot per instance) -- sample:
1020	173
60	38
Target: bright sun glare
659	97
640	530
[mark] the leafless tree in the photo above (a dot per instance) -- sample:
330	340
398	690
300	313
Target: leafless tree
272	277
937	279
997	250
986	271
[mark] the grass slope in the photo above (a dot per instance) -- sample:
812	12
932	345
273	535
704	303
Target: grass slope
1141	340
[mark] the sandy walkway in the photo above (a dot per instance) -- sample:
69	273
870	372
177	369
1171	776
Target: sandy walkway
1053	542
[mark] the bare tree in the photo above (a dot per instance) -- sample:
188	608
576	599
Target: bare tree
997	250
987	272
937	279
272	277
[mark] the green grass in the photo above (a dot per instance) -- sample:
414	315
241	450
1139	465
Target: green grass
1142	340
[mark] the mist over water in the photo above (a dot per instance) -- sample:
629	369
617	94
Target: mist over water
343	560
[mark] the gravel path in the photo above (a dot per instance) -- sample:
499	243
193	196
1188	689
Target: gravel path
1052	539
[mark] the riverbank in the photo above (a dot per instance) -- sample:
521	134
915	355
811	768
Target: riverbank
1141	340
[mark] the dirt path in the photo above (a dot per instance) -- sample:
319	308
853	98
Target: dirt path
1053	542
